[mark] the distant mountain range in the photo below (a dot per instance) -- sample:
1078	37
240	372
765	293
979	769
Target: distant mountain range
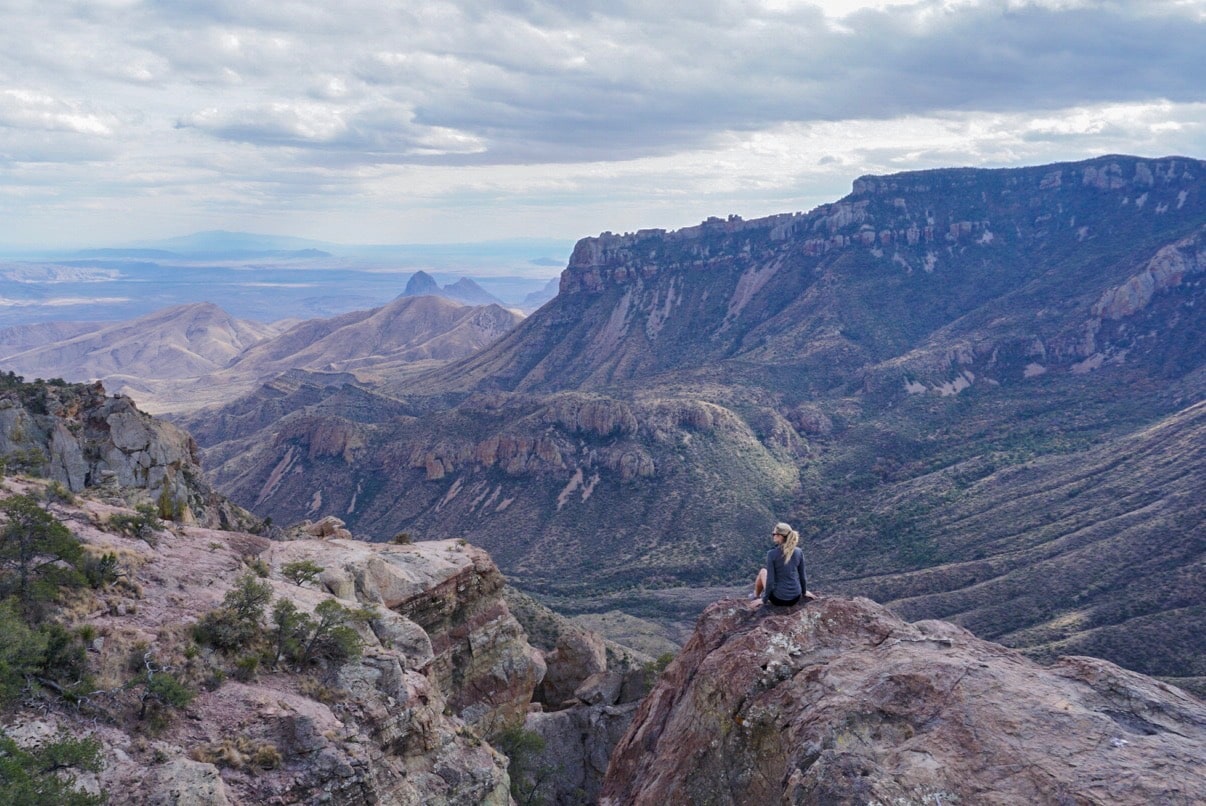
977	392
227	245
265	278
193	355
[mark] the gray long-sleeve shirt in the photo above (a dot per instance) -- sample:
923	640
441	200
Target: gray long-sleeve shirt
784	578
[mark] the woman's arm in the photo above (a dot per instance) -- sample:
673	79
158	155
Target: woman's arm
770	574
803	579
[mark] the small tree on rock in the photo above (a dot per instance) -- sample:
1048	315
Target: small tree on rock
236	624
38	554
301	571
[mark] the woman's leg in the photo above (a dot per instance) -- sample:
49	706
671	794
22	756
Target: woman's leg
760	584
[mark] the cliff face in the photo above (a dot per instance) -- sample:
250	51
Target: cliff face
907	282
839	701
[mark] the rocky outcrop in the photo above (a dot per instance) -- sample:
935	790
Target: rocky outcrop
448	596
839	701
327	527
386	727
482	660
77	435
1170	267
184	782
578	656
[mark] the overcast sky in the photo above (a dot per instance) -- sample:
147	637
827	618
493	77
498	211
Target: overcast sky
392	121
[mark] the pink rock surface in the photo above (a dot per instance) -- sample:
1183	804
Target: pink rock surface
840	701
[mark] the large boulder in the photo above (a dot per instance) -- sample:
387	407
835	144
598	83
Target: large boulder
579	655
184	782
840	701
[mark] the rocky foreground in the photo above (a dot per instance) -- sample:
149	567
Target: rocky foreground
839	701
380	729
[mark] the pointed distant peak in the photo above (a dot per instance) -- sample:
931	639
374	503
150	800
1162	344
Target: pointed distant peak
463	283
420	284
467	290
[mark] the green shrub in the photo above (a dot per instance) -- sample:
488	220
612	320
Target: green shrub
160	690
30	462
164	503
290	628
57	493
102	571
654	668
142	524
22	652
223	629
236	624
258	566
65	662
325	636
248	597
522	748
39	777
301	572
246	667
331	636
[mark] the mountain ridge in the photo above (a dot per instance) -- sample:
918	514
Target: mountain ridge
188	356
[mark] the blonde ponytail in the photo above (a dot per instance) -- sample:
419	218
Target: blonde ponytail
791	538
789	544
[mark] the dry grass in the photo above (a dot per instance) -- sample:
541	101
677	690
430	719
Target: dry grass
239	753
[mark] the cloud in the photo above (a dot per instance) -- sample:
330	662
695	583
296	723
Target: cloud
60	302
475	82
368	134
140	117
39	111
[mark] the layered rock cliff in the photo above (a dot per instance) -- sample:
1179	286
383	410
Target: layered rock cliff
839	701
900	286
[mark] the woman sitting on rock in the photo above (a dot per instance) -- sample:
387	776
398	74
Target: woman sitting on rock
782	581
